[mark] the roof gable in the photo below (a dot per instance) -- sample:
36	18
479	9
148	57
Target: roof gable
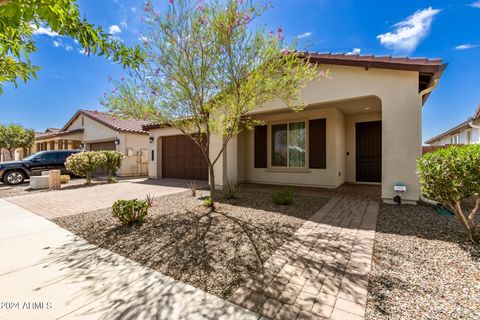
111	121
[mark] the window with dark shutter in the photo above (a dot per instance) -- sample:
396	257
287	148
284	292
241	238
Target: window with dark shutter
318	143
260	148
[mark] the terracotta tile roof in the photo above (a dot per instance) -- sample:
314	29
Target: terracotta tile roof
384	62
114	122
459	127
47	135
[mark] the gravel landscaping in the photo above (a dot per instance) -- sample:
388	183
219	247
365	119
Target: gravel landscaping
422	267
216	252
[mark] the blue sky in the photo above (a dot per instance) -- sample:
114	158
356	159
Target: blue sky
69	80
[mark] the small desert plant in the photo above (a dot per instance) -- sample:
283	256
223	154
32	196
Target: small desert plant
149	199
64	179
230	190
84	164
130	211
192	185
113	161
282	198
451	175
208	202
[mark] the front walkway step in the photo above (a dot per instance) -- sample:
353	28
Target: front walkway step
49	273
322	273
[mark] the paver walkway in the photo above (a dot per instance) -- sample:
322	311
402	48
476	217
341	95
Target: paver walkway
47	272
322	273
83	199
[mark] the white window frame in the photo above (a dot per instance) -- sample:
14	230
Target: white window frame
270	145
455	139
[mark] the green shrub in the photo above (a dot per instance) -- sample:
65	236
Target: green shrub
84	164
230	190
113	161
208	202
449	176
282	198
130	211
64	178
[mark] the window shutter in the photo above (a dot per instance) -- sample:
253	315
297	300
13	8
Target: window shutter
260	148
318	143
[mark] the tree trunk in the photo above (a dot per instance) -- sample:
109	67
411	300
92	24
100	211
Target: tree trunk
12	154
212	180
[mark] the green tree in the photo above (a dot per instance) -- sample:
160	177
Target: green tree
207	66
451	175
15	136
20	18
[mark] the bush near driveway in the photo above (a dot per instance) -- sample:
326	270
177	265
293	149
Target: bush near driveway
451	175
85	163
113	161
130	211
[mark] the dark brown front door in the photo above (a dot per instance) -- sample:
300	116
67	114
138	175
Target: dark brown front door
182	159
369	151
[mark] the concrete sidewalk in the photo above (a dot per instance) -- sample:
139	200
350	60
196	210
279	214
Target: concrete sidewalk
47	272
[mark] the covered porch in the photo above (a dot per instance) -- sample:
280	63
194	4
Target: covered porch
325	145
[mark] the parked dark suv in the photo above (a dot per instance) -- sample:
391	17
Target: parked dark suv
15	172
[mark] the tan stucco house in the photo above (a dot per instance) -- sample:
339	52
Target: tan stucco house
361	126
467	132
93	131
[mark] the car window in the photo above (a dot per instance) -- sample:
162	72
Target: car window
62	156
46	157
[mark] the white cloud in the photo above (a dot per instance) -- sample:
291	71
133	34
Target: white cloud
68	48
41	30
409	32
304	35
354	51
60	44
133	9
476	4
114	29
56	43
124	24
466	46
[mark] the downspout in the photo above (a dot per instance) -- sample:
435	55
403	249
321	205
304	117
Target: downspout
422	94
473	126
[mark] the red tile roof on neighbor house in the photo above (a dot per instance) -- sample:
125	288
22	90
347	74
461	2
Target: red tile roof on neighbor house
457	128
59	133
112	121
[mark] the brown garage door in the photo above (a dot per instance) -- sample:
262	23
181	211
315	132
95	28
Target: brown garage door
99	146
183	159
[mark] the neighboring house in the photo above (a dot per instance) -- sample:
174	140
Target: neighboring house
58	139
362	126
467	132
94	131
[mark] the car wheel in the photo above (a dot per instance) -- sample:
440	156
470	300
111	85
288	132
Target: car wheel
14	177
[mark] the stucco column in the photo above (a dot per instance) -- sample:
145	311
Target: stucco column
231	160
401	145
153	156
219	170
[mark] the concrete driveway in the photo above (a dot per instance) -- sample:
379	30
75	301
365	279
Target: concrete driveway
55	204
